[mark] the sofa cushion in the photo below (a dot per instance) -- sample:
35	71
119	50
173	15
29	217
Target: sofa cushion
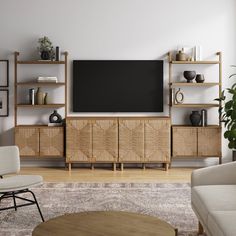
211	198
222	223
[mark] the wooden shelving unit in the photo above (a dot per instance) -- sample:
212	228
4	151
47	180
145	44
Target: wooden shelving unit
39	140
191	141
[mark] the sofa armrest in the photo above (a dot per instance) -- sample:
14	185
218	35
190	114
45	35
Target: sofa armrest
215	175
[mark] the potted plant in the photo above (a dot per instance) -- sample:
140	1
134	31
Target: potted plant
45	48
227	114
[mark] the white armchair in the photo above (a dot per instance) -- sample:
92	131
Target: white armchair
213	198
11	187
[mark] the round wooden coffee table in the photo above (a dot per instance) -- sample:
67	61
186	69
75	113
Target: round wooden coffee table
105	223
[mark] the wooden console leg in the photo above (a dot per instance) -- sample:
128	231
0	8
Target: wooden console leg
121	166
92	166
166	166
69	166
220	160
144	166
114	166
200	228
176	232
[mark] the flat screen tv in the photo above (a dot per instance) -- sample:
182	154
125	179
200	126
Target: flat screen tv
117	86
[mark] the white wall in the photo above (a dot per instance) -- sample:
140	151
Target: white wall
119	29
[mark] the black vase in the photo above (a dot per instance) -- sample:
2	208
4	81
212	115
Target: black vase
195	118
45	55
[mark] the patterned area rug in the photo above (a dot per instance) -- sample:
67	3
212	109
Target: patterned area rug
170	202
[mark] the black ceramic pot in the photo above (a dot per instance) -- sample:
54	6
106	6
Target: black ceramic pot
45	55
189	75
200	78
195	118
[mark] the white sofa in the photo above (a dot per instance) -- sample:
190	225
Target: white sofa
213	198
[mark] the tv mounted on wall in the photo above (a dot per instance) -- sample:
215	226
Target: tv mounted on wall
118	86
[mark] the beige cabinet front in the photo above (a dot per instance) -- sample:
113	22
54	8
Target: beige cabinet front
209	141
52	141
157	140
40	141
105	140
196	141
184	141
79	140
27	139
131	140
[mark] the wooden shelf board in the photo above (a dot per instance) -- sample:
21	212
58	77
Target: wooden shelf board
41	62
41	106
38	157
195	62
196	105
195	157
39	126
190	126
40	84
194	84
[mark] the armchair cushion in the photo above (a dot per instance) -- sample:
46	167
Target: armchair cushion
19	182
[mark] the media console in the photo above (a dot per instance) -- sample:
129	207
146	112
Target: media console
118	140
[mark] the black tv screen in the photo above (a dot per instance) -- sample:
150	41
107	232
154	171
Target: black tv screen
117	86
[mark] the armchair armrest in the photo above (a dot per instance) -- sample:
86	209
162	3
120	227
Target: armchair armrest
224	174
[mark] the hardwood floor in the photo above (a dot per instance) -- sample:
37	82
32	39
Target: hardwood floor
155	175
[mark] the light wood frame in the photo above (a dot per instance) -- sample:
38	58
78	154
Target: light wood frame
17	84
173	84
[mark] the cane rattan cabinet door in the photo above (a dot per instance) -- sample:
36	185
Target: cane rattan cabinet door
157	140
105	140
209	141
184	141
27	139
51	141
79	140
131	140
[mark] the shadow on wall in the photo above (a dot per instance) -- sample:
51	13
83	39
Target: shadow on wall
7	137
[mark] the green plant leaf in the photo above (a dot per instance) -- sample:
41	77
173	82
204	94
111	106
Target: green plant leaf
233	86
227	134
228	105
232	91
233	133
228	113
231	144
233	115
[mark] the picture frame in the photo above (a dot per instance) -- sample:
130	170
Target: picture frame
4	73
4	102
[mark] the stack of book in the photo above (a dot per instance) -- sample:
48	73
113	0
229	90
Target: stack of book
52	79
